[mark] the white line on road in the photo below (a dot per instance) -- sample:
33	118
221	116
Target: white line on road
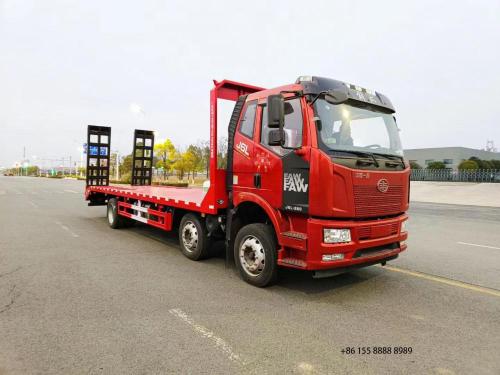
444	280
71	191
477	245
67	229
33	204
219	343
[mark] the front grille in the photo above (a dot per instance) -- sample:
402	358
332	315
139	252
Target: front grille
374	251
368	201
366	233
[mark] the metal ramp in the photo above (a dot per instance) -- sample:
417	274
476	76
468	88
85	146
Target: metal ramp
98	150
142	162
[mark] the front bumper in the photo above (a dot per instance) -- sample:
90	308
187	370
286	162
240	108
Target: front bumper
372	241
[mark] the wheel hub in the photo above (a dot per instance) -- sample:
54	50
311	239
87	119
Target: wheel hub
252	256
111	217
190	236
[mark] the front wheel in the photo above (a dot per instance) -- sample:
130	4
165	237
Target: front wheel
255	254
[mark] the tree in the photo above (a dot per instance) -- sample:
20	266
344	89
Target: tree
166	156
482	164
32	170
222	153
194	159
495	164
415	165
180	165
436	165
126	165
468	165
205	155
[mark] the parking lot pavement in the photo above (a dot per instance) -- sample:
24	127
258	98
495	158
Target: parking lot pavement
79	297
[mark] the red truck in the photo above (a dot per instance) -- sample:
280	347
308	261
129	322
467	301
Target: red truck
315	180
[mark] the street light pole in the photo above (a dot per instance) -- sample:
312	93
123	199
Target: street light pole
117	165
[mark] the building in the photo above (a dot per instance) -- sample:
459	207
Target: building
450	156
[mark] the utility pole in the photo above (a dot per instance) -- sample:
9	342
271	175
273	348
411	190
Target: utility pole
24	160
117	165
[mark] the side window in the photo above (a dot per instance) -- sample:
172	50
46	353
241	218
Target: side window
248	120
293	127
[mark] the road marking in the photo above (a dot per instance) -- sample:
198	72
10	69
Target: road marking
33	204
67	229
2	192
34	193
306	368
71	191
443	280
477	245
218	342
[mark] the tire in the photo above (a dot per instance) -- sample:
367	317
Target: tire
193	238
255	254
115	221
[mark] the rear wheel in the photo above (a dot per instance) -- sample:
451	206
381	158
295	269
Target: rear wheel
115	221
255	254
193	238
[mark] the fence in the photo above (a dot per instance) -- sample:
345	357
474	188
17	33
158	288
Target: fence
476	175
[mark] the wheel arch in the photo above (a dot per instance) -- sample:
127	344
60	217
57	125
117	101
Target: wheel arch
251	208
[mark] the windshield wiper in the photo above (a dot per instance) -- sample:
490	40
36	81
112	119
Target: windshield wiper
361	153
391	157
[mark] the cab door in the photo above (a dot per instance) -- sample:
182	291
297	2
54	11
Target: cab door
283	173
243	153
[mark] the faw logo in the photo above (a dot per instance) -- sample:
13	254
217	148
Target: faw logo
295	182
243	148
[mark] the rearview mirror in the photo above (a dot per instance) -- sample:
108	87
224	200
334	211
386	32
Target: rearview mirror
275	111
275	137
336	96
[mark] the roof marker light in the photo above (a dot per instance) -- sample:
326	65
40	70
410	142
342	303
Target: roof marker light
305	79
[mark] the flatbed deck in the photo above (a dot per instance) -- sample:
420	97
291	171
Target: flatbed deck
181	197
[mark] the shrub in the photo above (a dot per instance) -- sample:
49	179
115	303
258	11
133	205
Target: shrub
168	183
415	165
436	165
468	165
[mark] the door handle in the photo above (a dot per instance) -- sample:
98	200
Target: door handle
257	180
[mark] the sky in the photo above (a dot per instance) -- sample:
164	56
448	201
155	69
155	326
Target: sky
66	63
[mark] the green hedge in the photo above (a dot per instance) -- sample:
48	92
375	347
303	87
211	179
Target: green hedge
168	183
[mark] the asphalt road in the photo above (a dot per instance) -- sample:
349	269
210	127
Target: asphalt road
77	297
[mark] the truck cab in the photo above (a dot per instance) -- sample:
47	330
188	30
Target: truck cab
320	162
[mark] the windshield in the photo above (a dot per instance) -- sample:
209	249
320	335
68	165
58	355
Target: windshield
343	127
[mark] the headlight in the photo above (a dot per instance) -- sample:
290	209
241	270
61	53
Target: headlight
404	226
336	235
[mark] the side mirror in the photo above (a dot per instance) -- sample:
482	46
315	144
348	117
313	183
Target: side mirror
275	111
336	96
275	137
